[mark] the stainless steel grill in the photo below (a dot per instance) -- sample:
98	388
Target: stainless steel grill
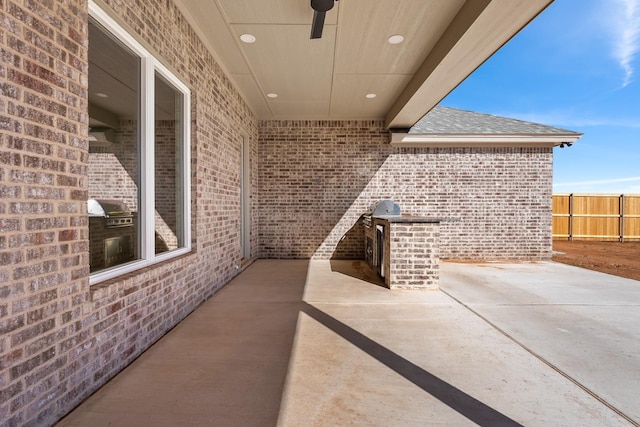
381	208
115	212
112	233
374	243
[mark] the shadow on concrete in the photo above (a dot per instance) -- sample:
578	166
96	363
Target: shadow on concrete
453	397
357	269
228	362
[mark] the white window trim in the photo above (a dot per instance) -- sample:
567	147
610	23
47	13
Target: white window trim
149	66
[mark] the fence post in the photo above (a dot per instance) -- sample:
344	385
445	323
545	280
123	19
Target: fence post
622	218
571	217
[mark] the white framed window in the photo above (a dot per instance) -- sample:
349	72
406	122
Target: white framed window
139	156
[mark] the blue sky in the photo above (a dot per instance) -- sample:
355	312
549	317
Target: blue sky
577	67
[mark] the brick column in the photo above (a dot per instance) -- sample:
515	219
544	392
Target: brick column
413	260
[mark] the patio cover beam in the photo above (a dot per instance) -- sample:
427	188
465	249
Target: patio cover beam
477	32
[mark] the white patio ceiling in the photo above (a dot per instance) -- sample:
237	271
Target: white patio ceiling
329	78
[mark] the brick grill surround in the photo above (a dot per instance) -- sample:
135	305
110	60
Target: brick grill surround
413	261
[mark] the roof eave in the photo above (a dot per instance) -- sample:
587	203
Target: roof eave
478	31
503	140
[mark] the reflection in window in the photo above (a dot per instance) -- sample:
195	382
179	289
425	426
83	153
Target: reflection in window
114	91
168	171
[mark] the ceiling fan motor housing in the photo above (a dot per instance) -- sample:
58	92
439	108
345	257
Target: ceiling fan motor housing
322	5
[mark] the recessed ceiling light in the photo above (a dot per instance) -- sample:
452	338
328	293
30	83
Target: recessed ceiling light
248	38
272	95
101	95
395	39
371	95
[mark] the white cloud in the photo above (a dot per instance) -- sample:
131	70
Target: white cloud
626	26
630	185
601	181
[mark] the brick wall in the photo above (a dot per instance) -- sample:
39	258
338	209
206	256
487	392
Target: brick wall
317	178
61	339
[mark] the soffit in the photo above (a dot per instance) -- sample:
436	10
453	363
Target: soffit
328	78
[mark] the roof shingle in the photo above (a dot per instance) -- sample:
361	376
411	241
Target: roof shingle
447	121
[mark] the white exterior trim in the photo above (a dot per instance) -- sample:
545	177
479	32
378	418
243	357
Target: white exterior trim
425	140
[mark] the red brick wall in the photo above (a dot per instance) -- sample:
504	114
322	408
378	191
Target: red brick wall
43	222
61	339
317	178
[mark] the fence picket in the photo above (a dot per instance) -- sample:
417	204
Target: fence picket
596	217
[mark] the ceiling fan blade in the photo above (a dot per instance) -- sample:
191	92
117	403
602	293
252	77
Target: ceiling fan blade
318	24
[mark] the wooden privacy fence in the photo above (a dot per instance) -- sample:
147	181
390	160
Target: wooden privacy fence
596	217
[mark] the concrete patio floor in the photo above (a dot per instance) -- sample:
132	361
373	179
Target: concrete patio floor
319	343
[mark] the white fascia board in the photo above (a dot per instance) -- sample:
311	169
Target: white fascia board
421	140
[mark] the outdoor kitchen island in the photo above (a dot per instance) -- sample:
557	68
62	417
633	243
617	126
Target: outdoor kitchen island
403	249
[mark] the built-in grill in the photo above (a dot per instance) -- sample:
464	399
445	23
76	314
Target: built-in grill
374	240
112	233
402	248
381	208
115	212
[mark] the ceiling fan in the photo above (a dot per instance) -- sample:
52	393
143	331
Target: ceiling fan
320	8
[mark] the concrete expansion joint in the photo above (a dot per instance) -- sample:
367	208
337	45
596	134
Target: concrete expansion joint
541	358
430	304
546	304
